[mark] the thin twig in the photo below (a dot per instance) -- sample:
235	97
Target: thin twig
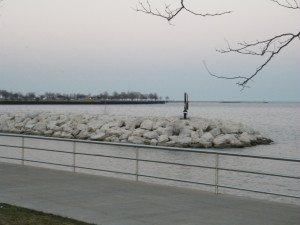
169	13
287	4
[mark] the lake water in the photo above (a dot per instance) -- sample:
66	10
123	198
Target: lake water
279	121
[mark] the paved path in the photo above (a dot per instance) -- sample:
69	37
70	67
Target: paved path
110	201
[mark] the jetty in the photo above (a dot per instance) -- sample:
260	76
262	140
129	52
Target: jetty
78	102
195	132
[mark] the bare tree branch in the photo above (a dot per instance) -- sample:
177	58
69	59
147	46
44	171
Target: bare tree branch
170	13
270	47
292	4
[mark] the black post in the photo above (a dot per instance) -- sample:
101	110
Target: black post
186	105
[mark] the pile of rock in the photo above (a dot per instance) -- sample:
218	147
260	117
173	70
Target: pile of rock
162	131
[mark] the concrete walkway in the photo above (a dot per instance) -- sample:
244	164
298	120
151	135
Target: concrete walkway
110	201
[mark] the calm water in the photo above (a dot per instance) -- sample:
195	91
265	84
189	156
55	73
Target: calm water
279	121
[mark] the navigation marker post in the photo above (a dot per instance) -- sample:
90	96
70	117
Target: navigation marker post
186	106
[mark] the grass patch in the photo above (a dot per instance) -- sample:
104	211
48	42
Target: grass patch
14	215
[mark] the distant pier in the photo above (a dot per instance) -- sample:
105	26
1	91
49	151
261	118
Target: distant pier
78	102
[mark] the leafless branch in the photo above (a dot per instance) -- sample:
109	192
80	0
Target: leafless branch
170	13
292	4
271	46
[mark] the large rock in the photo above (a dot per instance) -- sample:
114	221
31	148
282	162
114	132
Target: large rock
139	132
206	137
230	128
132	123
205	140
84	134
147	124
163	139
67	127
201	125
225	141
184	141
92	127
30	124
165	131
48	133
116	123
66	135
114	131
246	139
112	139
98	136
150	135
263	140
40	126
153	142
51	124
185	132
125	135
215	132
160	123
82	127
136	140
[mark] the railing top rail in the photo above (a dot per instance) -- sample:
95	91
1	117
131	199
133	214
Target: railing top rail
195	150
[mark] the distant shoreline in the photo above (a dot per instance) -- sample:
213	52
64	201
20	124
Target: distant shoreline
78	102
220	102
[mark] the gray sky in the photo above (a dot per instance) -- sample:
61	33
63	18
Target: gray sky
92	46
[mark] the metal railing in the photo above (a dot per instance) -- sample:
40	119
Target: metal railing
135	159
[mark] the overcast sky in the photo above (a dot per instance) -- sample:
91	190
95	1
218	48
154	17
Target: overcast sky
92	46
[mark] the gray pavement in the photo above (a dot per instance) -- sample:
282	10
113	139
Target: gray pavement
110	201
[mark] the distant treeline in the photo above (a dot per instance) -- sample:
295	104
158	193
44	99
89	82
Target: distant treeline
6	95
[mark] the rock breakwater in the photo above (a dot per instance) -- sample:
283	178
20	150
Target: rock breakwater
163	131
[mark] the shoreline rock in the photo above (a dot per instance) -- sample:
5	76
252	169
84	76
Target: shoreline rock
195	132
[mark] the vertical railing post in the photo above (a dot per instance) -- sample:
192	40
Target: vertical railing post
74	156
217	175
23	154
137	165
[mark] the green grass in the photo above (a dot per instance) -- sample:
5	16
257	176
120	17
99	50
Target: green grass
14	215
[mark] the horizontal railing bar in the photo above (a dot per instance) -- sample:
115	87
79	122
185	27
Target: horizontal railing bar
260	192
157	147
50	163
48	150
4	157
69	152
177	164
59	164
10	146
110	171
178	180
79	153
222	186
105	156
259	173
225	169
